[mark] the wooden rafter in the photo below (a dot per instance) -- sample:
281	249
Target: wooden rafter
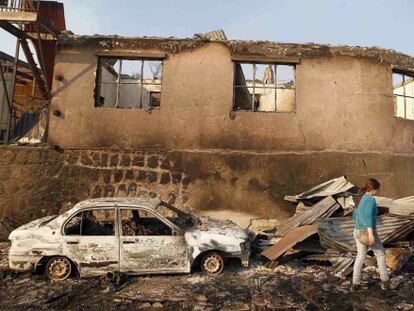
29	56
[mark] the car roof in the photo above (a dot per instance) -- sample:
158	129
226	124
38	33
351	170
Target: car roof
151	203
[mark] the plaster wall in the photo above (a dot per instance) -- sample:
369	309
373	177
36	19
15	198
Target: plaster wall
342	104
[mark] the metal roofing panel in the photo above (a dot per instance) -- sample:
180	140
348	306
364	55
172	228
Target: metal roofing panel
322	209
291	239
215	35
331	187
401	207
338	233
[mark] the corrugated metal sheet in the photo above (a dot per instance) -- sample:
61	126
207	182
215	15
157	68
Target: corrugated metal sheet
406	199
215	35
338	233
340	262
35	133
401	207
331	187
322	209
291	239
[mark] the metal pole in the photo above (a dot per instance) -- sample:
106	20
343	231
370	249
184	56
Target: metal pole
118	90
142	82
6	91
254	86
405	98
275	82
16	62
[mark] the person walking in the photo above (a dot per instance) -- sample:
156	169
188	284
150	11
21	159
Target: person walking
365	234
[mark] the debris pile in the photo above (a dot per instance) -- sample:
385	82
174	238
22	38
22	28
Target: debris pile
322	229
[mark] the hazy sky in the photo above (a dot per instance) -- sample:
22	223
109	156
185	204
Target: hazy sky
385	23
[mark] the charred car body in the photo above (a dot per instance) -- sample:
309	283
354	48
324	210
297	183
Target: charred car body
130	235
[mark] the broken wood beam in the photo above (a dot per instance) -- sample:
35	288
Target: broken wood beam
36	72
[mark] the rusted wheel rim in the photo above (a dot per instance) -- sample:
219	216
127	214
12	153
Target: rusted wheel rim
59	269
213	264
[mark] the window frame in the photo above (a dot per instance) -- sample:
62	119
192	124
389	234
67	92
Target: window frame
174	228
404	96
121	57
274	64
116	228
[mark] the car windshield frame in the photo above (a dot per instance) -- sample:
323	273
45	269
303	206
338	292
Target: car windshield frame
179	213
44	223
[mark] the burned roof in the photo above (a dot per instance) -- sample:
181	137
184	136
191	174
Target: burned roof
248	48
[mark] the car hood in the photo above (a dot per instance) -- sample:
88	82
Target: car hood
215	228
31	226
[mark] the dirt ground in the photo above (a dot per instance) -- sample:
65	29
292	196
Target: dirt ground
293	286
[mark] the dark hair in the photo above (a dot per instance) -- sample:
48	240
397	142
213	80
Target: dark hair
370	184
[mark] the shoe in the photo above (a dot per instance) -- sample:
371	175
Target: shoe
356	287
385	285
388	285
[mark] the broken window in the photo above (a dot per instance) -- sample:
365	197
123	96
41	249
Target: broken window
128	83
403	89
142	223
92	222
73	226
267	87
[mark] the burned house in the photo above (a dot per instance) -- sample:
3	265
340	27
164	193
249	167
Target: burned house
247	121
220	126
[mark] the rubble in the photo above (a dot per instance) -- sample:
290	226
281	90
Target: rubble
323	209
326	209
292	286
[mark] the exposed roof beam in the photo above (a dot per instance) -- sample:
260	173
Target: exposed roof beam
18	17
29	56
43	36
49	27
36	71
24	75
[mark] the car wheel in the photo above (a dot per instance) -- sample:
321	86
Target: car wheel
212	264
58	268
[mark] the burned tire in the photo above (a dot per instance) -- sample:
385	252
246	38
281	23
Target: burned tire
58	268
212	264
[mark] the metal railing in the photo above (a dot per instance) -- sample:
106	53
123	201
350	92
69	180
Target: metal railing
17	6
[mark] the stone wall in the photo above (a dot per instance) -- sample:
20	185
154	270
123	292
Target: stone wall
35	182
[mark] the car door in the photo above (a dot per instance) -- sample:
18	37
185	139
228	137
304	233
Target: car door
91	240
150	244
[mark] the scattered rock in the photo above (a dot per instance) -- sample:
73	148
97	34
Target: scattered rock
201	298
236	306
157	305
146	305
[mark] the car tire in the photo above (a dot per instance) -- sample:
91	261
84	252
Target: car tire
58	268
212	263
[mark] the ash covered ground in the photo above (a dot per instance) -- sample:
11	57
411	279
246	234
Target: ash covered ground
291	286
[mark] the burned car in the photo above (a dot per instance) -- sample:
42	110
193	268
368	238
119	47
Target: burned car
129	235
